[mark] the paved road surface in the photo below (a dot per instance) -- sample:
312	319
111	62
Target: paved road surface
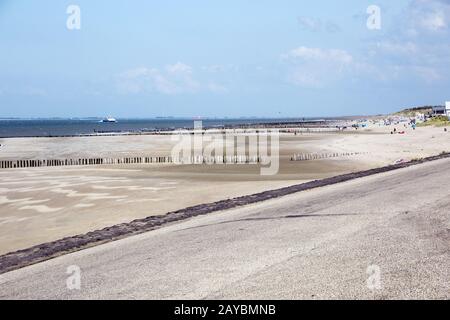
315	244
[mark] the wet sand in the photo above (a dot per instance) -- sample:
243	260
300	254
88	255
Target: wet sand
317	244
43	204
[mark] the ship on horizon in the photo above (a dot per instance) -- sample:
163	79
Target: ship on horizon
109	119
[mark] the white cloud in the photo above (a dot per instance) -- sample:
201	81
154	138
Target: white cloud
414	48
389	62
179	69
220	68
310	24
317	25
317	54
396	48
173	79
434	21
316	67
144	79
427	16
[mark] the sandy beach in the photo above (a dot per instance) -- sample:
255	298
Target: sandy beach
38	205
214	151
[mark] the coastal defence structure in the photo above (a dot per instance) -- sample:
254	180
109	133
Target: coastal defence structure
319	156
236	159
9	164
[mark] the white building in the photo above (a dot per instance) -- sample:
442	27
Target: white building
439	110
447	109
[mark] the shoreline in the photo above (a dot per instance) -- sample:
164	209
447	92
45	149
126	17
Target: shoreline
313	123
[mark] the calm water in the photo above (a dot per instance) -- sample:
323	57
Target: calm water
42	128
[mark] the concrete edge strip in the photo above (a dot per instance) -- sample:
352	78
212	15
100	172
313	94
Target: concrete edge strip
46	251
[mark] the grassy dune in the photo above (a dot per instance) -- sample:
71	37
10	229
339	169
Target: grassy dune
440	121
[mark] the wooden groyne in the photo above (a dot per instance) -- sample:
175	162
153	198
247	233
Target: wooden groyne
236	159
318	156
314	130
9	164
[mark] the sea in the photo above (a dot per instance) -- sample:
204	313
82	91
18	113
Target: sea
74	127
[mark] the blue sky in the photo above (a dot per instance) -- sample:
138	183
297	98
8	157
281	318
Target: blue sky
221	58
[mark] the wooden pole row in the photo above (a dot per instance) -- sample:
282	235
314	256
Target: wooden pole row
219	159
317	156
311	130
5	164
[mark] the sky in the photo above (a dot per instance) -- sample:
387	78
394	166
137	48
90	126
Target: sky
234	58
